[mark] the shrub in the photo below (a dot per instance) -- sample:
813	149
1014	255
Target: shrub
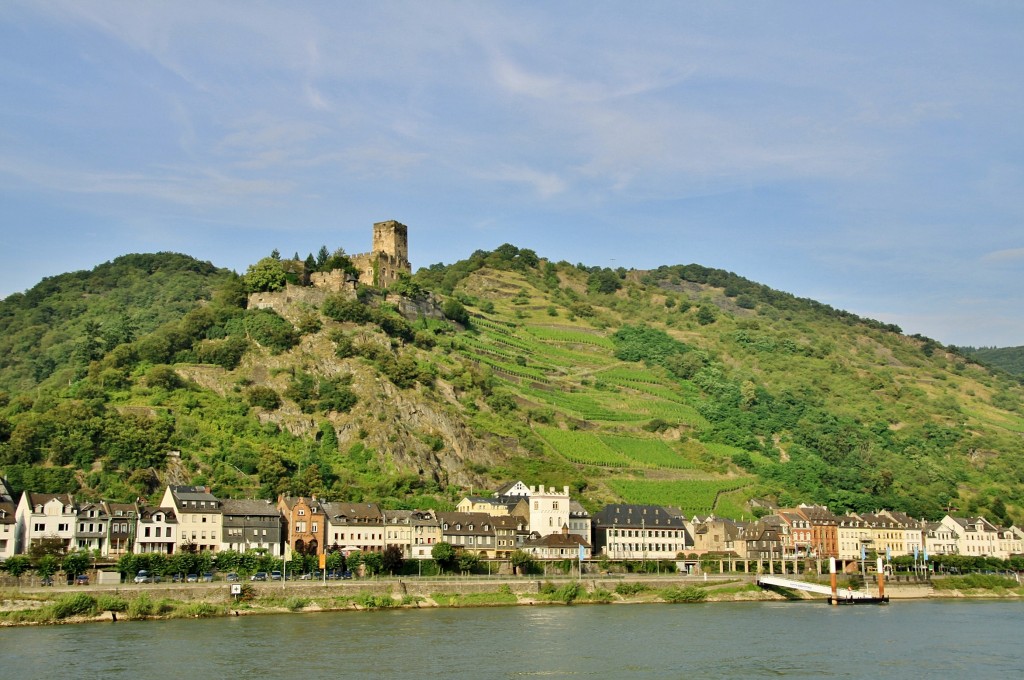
111	603
296	603
626	589
140	607
686	594
79	604
264	397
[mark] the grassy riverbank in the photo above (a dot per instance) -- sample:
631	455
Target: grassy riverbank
43	607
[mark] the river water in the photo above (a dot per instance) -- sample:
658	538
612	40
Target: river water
917	639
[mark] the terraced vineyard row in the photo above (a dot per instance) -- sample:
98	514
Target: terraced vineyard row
585	406
690	496
564	335
647	452
582	447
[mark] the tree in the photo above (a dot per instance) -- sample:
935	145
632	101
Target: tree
393	559
16	565
443	554
468	561
265	275
373	562
454	310
521	561
75	563
47	565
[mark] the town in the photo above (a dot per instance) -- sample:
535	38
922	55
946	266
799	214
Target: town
543	523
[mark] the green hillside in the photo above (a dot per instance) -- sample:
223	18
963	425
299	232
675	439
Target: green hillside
683	386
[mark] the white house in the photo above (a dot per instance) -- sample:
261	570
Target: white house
45	516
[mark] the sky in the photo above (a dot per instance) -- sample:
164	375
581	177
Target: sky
868	155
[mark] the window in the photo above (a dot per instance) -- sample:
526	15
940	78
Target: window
302	513
145	532
314	527
157	532
62	527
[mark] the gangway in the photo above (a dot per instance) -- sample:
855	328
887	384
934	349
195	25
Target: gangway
795	584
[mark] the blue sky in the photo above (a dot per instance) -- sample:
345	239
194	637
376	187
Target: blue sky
869	155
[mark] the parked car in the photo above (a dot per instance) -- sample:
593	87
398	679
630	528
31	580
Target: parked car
82	580
232	576
177	578
143	577
275	576
346	575
208	576
192	578
306	576
47	581
259	576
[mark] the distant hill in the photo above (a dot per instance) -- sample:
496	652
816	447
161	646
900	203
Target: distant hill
1009	359
683	386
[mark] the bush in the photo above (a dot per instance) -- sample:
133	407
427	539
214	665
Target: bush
270	330
264	397
111	603
141	607
627	589
675	594
78	604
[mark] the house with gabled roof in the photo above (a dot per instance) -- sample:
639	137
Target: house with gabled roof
305	524
157	530
252	525
92	528
124	519
200	517
564	545
975	536
482	533
49	516
8	529
415	532
354	526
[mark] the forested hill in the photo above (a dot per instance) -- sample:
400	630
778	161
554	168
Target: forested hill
1009	359
66	321
682	386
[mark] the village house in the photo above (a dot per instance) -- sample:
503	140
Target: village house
561	546
718	536
639	532
975	536
415	532
124	519
157	530
252	525
45	517
305	524
92	528
200	517
8	521
354	527
939	539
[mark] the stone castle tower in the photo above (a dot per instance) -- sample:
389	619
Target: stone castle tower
389	256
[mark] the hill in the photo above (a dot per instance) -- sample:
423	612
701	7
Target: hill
1009	359
684	386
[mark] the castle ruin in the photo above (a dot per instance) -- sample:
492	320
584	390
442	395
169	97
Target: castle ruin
381	266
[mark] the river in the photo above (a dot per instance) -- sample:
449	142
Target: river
907	639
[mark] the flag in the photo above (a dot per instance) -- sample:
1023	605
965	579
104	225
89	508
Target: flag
888	554
863	552
583	552
915	553
926	553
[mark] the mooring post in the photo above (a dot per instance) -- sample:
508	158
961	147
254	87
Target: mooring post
881	579
835	583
